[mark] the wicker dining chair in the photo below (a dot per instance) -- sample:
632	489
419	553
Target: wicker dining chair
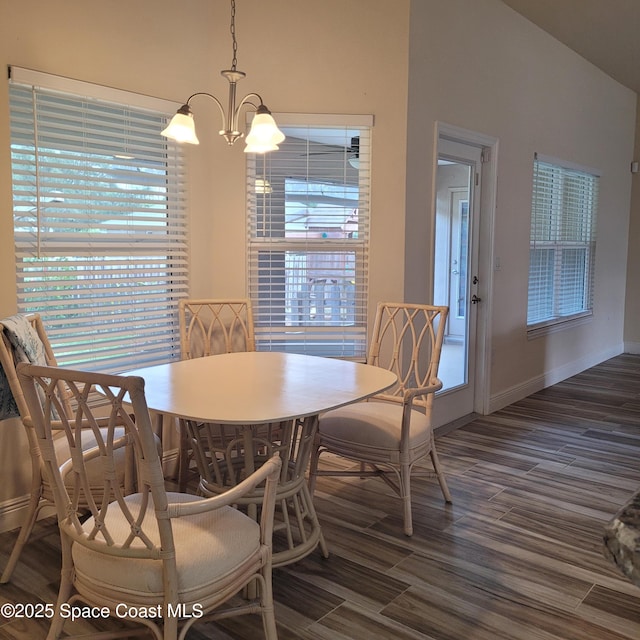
391	433
41	494
181	556
210	327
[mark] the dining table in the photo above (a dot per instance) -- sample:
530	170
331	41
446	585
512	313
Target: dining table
253	404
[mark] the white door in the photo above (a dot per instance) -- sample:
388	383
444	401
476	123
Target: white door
456	273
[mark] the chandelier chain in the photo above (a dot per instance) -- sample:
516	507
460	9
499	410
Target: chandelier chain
234	61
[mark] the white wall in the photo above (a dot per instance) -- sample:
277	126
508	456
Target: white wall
632	308
334	56
479	65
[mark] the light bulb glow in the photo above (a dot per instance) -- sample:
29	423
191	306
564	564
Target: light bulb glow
182	129
264	134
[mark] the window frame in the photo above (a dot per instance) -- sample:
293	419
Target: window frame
266	231
565	204
118	241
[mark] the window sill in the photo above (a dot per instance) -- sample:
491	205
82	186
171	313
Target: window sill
553	326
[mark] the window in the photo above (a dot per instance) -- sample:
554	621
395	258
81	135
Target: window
99	221
563	243
308	237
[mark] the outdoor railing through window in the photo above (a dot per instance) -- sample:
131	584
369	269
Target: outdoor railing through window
308	236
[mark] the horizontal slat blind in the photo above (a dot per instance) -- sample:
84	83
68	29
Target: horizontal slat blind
563	243
308	238
100	227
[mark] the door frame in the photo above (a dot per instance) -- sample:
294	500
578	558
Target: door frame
488	189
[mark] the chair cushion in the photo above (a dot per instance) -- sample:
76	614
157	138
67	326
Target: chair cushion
209	546
373	425
94	467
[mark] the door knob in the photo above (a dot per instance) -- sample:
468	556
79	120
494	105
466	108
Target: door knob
475	299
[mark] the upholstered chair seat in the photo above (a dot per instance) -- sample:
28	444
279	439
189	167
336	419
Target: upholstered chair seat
374	427
204	565
95	471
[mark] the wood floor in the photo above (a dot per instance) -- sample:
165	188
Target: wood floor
518	556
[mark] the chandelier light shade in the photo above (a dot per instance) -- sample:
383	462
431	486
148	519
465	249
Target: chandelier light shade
264	134
182	127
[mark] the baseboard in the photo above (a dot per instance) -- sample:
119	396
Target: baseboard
170	462
443	429
14	511
548	378
632	347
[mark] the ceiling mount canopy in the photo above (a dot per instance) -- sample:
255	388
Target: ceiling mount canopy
264	134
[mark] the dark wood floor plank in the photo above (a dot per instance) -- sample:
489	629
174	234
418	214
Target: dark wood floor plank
517	556
474	613
350	623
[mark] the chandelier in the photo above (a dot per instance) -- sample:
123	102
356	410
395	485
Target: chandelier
264	134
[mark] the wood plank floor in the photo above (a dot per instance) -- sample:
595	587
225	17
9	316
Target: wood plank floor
518	556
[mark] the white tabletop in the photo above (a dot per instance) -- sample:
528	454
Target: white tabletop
258	387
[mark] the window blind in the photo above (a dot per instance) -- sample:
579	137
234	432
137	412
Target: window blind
563	243
308	237
99	223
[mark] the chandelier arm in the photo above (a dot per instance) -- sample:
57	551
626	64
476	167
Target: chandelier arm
210	95
245	101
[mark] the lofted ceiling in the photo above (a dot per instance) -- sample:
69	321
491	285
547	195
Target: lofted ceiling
605	32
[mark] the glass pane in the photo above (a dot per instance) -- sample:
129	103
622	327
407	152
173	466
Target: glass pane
316	209
99	228
541	268
451	274
304	288
573	273
308	241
